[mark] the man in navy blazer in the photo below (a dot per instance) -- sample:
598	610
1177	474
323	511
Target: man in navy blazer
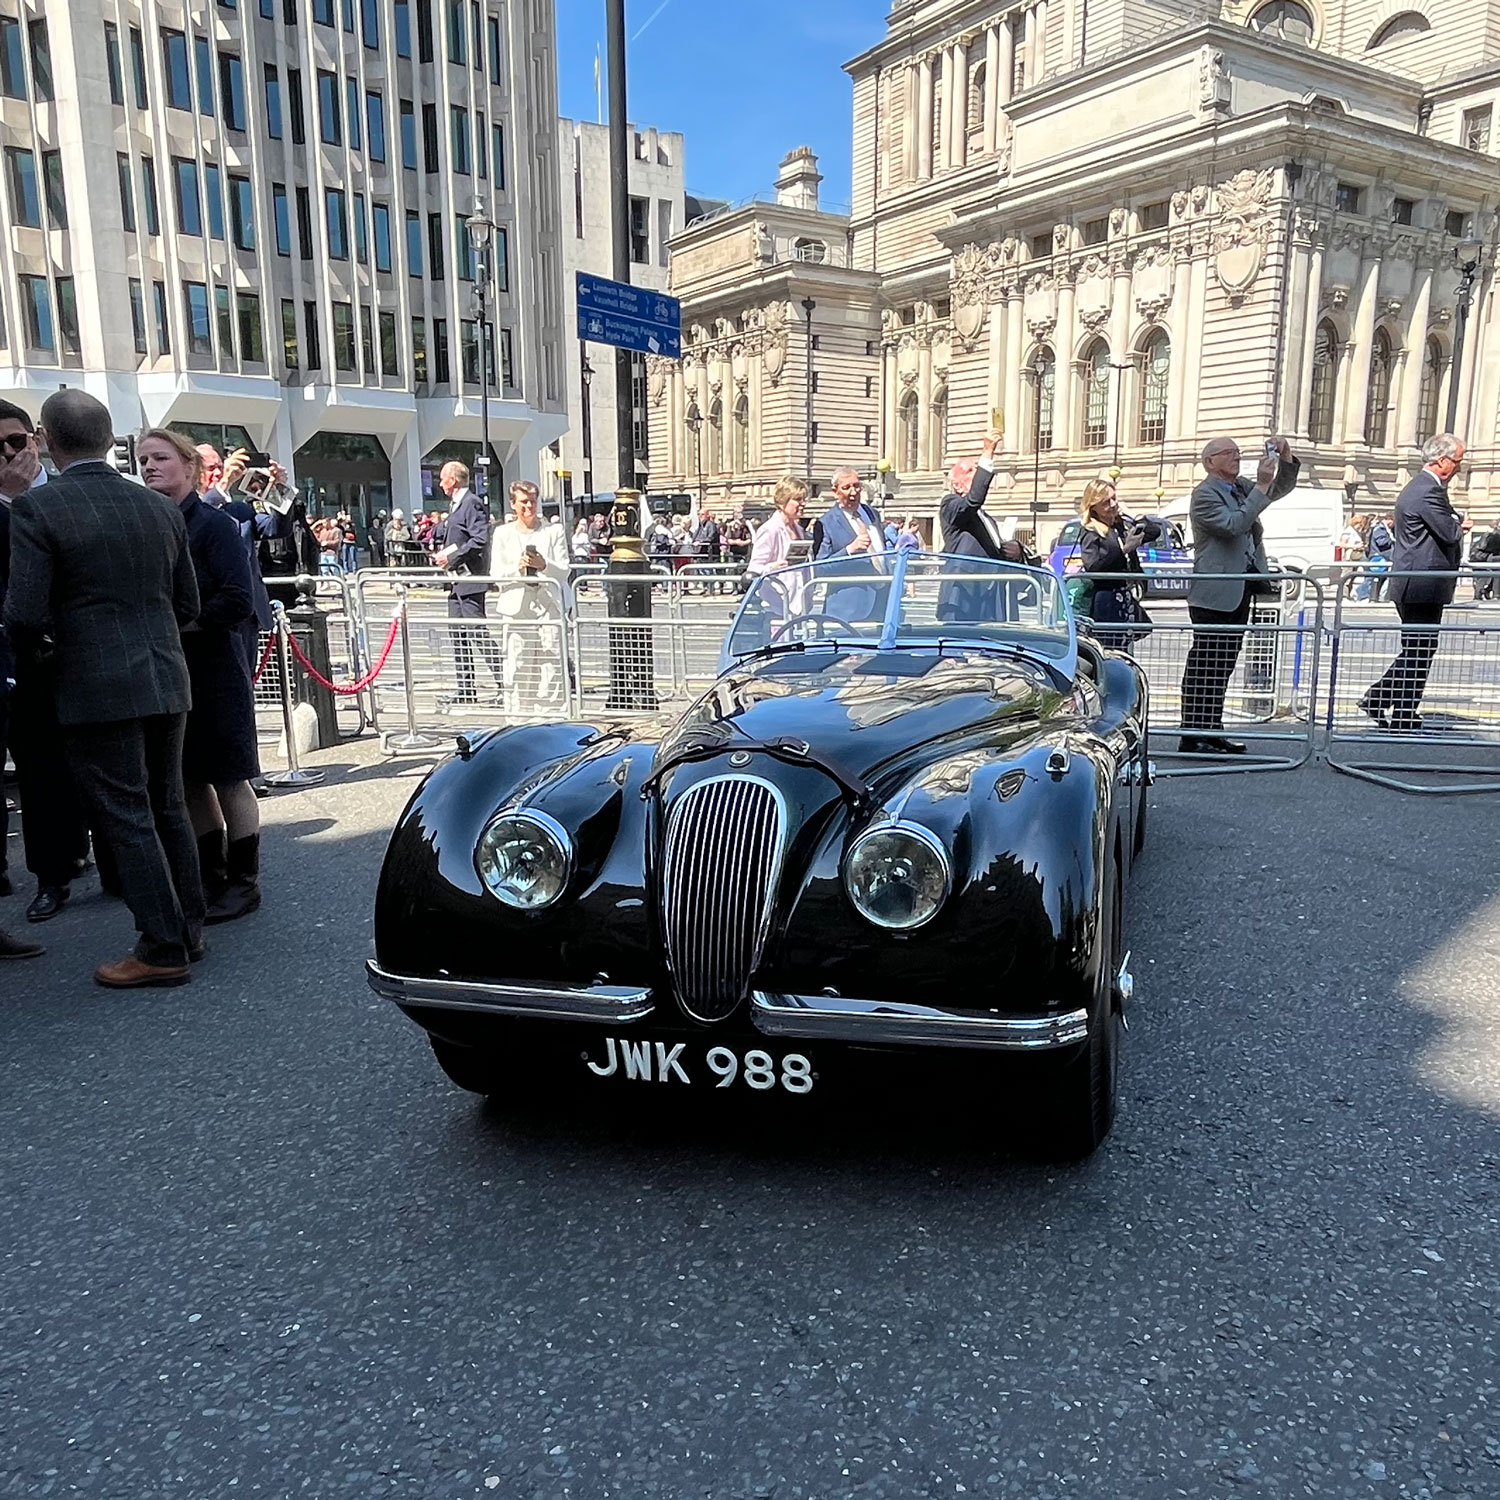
465	554
1429	539
850	528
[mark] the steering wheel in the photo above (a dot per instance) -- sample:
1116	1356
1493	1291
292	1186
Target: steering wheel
821	621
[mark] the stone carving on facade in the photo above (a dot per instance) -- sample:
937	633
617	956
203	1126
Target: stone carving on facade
1199	197
656	376
1093	297
1002	151
1153	282
1240	236
774	341
1213	81
969	293
1180	205
1041	305
1060	235
764	242
1382	201
1335	298
1117	221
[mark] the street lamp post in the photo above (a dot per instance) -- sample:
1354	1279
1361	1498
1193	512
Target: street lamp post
586	375
1119	370
807	307
694	423
1468	273
1034	372
481	232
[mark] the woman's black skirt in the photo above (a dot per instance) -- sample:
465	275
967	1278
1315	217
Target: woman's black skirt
219	746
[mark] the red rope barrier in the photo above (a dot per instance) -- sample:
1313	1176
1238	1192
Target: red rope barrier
265	658
353	687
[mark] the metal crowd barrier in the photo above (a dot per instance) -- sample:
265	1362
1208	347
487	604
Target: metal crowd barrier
347	653
1406	705
1270	692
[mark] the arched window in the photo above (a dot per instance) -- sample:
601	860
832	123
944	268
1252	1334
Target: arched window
1434	362
1043	391
977	77
814	251
693	424
1408	23
1378	392
1096	373
939	435
911	422
740	437
714	463
1325	376
1285	19
1156	364
937	121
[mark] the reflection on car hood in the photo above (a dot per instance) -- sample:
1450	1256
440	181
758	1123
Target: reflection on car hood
863	709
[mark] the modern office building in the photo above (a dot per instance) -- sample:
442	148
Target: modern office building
246	219
1121	227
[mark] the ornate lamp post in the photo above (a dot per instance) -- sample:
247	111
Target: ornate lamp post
808	305
481	231
1468	257
694	423
1119	370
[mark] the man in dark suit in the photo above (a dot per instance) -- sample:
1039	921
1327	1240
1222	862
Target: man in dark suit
101	566
465	553
53	828
967	530
1225	512
1429	539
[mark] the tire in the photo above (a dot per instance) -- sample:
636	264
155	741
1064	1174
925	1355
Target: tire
1074	1106
467	1068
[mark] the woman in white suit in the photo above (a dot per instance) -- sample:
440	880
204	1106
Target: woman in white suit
524	549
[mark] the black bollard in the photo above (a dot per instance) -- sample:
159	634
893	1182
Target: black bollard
632	659
309	625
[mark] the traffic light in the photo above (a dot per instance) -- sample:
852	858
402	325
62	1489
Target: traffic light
125	455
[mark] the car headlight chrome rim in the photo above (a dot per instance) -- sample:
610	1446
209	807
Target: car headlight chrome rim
898	875
524	859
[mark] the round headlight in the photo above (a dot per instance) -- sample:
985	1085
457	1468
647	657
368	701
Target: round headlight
897	876
524	859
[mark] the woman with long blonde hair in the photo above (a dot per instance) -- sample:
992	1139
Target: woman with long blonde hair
1108	544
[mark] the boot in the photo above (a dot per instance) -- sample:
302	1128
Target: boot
241	893
213	861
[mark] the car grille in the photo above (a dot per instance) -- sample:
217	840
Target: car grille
720	865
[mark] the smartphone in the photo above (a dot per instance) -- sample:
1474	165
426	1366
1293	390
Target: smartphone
1271	449
997	420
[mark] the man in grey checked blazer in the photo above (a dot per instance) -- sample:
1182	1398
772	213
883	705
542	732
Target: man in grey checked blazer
101	566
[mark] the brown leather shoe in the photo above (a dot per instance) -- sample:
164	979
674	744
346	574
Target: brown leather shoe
132	973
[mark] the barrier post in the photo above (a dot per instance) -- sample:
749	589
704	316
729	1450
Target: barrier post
412	739
632	664
294	775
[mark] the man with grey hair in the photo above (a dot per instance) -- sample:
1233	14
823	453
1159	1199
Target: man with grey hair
1429	539
465	553
1225	514
849	527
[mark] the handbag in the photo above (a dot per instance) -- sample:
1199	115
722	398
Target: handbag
1259	586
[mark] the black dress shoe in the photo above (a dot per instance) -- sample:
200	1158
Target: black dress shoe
48	901
1218	745
17	947
1404	723
1375	711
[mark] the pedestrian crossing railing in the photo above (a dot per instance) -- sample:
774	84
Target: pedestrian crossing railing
1413	703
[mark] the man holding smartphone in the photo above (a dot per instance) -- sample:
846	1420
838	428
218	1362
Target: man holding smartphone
1225	513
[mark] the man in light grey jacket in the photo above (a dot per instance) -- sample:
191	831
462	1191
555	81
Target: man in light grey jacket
1224	512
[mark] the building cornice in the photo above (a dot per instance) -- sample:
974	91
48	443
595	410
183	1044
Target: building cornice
913	30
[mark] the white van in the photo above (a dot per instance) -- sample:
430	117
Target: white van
1301	529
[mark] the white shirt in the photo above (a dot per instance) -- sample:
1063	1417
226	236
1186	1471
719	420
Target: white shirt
507	545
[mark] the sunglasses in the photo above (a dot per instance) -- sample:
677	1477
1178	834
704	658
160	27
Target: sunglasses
15	442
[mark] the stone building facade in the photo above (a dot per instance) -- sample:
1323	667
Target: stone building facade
1119	229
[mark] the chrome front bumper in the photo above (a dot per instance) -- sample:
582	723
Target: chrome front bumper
806	1017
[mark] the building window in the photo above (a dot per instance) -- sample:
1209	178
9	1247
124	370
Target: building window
413	243
252	337
457	53
1325	375
1433	364
294	105
501	265
403	28
361	231
1453	224
440	373
273	102
938	437
1474	129
909	435
937	120
25	196
310	326
1041	245
869	435
149	210
1378	392
36	312
224	313
435	246
67	317
369	23
1407	23
367	340
352	113
419	350
322	11
232	88
189	207
390	349
1096	394
203	62
289	352
52	186
1044	398
478	36
1095	231
127	192
200	333
507	360
348	9
497	156
1154	215
716	438
496	57
1156	365
375	121
12	59
481	151
242	212
424	30
382	227
463	247
739	448
458	122
41	58
328	110
304	226
281	216
1284	19
337	215
112	65
138	314
814	252
138	66
163	319
174	53
1346	198
640	231
468	351
429	139
213	192
408	117
343	336
1401	210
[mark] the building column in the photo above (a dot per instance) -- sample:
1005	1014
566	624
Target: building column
1015	313
1006	33
924	117
924	404
911	155
890	405
1413	366
995	389
1039	47
1301	413
1119	353
992	88
1177	315
406	470
1192	374
1358	371
959	134
1028	48
1062	400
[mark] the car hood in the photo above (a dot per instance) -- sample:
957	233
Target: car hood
867	710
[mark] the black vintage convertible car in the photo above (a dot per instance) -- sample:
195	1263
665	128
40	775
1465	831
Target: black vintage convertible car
901	819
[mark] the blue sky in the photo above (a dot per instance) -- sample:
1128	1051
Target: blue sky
744	80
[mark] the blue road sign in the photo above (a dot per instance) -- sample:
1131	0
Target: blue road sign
629	317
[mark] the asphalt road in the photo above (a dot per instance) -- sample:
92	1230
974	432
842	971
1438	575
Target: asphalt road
253	1243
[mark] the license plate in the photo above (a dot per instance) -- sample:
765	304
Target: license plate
638	1060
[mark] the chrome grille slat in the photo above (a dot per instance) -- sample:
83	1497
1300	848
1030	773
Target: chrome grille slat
721	861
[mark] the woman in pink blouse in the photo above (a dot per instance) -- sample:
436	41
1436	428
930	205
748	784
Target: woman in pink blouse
773	542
